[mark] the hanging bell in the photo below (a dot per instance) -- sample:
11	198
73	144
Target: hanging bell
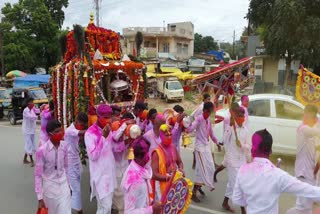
130	155
186	140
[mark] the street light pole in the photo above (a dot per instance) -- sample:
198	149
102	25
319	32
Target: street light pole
1	55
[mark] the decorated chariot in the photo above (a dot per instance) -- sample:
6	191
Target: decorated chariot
93	71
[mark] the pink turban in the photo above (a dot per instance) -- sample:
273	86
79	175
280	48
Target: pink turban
104	110
160	116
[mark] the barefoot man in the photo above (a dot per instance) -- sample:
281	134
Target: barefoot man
205	165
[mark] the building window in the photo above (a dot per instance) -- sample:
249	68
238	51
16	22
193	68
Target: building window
182	31
154	45
179	48
146	44
166	48
185	49
172	28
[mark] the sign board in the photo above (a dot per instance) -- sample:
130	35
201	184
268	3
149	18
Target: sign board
260	51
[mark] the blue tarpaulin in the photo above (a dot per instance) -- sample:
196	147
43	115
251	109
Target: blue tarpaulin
217	54
32	80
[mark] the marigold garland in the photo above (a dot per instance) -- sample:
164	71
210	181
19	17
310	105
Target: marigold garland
74	80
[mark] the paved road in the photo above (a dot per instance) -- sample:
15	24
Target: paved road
17	186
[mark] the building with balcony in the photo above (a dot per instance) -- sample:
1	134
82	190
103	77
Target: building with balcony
176	40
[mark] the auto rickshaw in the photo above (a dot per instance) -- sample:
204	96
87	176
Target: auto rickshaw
19	101
2	97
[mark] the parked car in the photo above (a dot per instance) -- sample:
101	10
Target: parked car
279	114
2	97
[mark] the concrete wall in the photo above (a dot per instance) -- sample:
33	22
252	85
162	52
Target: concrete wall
270	70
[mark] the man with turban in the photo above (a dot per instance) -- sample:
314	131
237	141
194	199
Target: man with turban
165	161
98	140
136	182
260	183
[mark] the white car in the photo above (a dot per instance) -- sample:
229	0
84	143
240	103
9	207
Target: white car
279	114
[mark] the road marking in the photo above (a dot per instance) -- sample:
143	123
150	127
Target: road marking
195	207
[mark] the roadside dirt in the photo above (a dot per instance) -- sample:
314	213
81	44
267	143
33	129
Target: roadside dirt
160	104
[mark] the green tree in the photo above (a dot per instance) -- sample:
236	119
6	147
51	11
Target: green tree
204	44
30	36
55	9
139	41
288	28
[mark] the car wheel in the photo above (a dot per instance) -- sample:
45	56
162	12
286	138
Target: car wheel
12	119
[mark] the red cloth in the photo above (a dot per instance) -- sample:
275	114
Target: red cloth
42	211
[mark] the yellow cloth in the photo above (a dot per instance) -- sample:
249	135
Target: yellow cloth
162	171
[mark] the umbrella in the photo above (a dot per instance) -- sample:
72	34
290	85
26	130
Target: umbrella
15	73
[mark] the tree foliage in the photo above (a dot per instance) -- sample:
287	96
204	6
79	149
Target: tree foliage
288	28
30	36
204	43
55	10
139	41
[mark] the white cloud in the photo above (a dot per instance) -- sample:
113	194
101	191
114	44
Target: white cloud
210	17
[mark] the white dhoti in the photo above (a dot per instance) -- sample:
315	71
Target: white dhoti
57	204
303	205
205	166
232	175
30	145
103	204
75	185
118	198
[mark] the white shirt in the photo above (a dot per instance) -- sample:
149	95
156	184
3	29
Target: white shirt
236	156
51	171
153	140
136	187
307	137
29	122
101	162
120	150
198	111
204	130
260	183
71	137
246	116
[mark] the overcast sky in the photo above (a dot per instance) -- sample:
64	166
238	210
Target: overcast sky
217	18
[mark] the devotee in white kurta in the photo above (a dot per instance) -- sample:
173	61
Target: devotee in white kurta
205	166
72	138
121	161
235	153
260	183
51	182
98	140
136	182
29	124
308	134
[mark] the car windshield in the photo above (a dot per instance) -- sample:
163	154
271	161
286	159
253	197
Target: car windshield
2	94
38	94
174	85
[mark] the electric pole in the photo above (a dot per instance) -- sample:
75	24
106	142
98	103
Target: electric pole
1	55
233	44
97	3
